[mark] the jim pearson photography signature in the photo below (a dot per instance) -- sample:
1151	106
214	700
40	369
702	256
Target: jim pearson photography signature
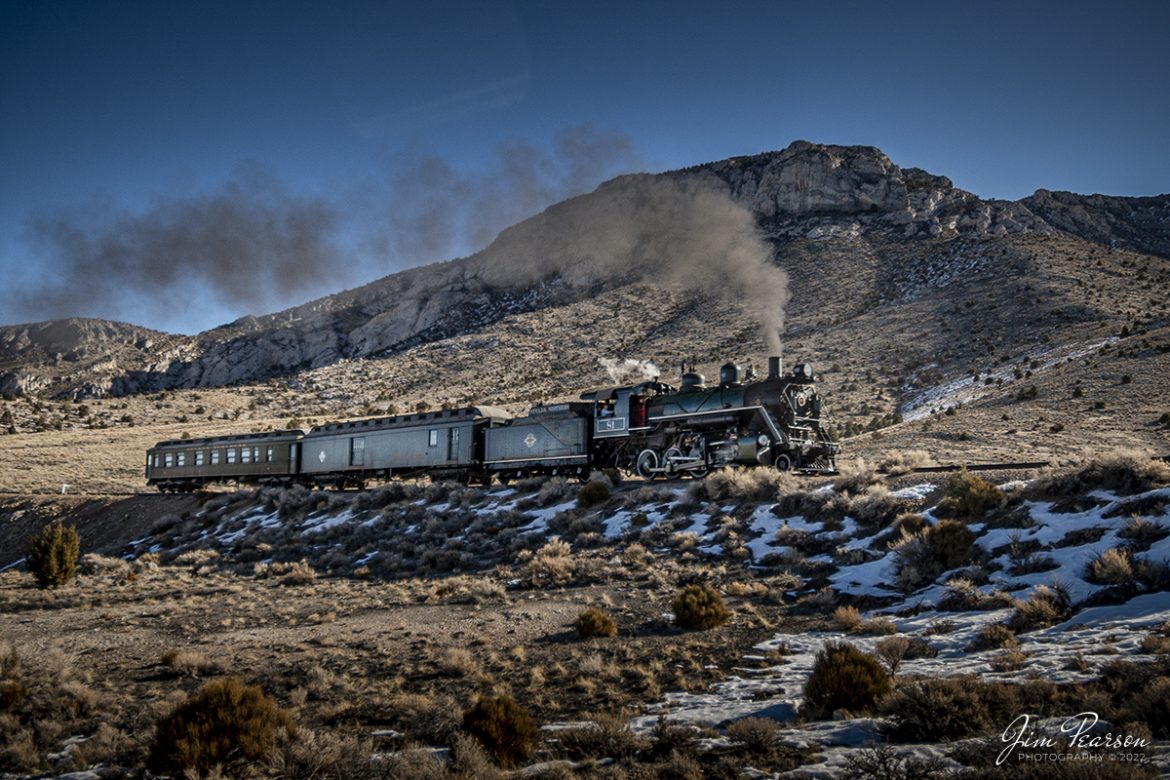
1077	741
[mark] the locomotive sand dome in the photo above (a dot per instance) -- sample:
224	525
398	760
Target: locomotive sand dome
655	430
651	428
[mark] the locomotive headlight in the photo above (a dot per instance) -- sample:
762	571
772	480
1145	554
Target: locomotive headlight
763	441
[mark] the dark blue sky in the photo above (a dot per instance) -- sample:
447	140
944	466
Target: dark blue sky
160	162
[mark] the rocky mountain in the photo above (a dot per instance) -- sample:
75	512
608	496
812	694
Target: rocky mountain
80	356
835	218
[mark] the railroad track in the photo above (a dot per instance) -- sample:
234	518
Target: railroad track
1027	465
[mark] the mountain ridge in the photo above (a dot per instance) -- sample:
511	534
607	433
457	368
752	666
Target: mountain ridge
798	196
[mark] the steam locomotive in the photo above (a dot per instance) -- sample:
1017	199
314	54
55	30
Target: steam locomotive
650	429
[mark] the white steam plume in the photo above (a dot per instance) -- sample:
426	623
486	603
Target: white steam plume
629	370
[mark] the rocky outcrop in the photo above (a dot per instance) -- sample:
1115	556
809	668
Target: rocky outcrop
815	180
81	357
1141	224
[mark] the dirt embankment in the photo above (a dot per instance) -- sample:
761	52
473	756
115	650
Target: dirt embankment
105	524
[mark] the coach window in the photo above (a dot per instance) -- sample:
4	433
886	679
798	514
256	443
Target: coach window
198	457
268	455
215	457
155	460
434	442
231	455
181	459
357	451
168	460
255	454
245	455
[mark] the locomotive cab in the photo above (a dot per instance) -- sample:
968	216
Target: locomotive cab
620	411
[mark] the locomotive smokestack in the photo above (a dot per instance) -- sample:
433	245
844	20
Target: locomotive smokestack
774	367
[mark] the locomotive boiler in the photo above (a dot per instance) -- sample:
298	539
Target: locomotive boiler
653	429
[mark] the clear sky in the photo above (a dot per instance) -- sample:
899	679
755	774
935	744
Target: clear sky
180	164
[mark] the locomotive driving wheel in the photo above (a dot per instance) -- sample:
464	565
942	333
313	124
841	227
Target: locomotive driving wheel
783	463
647	464
699	471
670	458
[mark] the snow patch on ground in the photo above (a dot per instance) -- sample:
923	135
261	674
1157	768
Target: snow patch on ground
965	390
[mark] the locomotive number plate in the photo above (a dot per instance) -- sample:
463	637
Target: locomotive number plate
611	424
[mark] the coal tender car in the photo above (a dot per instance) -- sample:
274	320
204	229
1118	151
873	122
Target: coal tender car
552	439
651	429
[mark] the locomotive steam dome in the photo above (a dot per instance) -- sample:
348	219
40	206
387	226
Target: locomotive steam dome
730	374
693	381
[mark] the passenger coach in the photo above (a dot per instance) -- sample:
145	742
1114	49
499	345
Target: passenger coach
186	464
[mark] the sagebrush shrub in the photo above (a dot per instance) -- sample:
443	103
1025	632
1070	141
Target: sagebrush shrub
503	727
608	736
844	677
52	554
757	735
595	622
1122	472
223	721
940	548
910	522
992	637
896	649
699	606
592	493
1047	606
939	708
1112	567
971	496
1143	532
847	618
552	563
898	462
299	573
951	544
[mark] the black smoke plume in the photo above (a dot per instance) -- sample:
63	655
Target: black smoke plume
253	246
250	244
431	211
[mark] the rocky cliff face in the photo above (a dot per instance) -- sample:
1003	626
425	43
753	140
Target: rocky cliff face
83	357
811	180
1141	224
807	191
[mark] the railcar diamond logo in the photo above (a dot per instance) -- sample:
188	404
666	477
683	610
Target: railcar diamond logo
530	440
321	456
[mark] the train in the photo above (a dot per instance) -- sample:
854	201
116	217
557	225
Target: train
649	429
